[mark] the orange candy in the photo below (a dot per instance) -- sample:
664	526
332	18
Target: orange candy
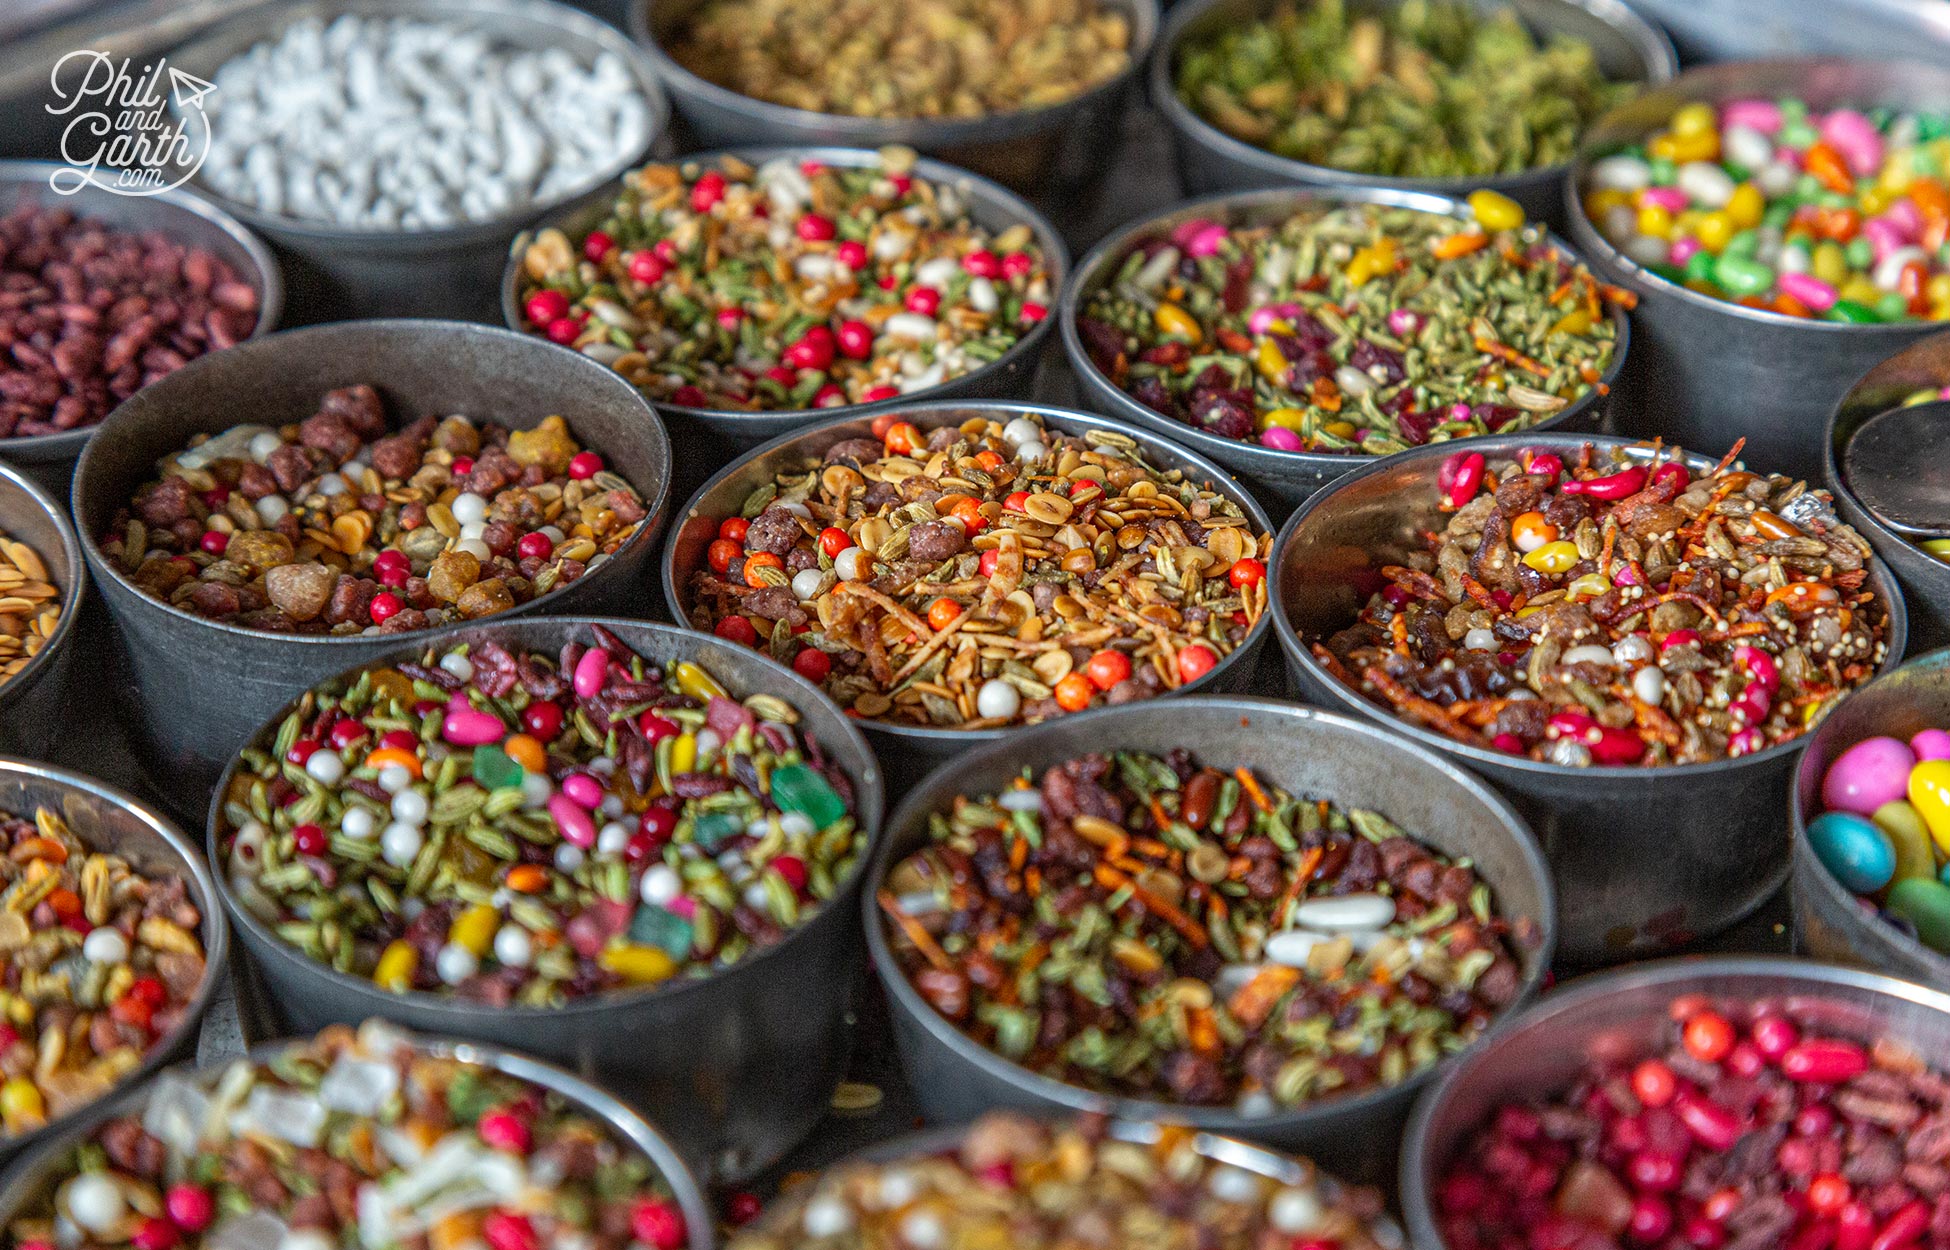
64	902
1074	692
393	755
1828	167
903	439
39	848
528	752
527	878
760	560
942	613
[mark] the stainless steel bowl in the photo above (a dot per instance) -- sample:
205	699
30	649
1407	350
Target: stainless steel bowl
737	1066
912	750
186	723
1830	922
1926	579
1052	155
1624	1013
338	272
31	701
1645	858
1705	372
990	206
1308	752
785	1216
1733	30
185	216
1628	49
1281	478
104	818
28	1181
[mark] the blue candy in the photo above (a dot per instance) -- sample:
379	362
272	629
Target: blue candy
1854	850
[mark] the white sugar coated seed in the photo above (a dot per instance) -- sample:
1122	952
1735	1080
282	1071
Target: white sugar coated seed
897	1188
612	838
612	805
923	1230
513	947
796	825
997	700
263	445
756	898
846	565
708	743
1479	640
661	885
105	945
568	857
535	790
95	1202
1292	946
272	509
1705	184
1255	1104
827	1215
329	485
1620	173
805	583
1590	653
474	547
1743	145
1031	452
1295	1211
457	665
1230	1184
325	767
1348	911
1649	685
473	530
400	844
409	806
357	823
1021	430
1632	649
395	778
455	963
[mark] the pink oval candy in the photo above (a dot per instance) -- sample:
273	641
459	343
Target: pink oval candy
1683	249
1206	242
1672	199
1872	772
1856	138
1262	318
1185	231
1279	438
1809	289
1906	217
1883	236
584	789
591	670
1931	744
1761	115
572	820
471	727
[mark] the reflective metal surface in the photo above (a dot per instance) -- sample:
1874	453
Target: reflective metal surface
1310	753
1281	478
737	1066
32	700
197	688
1704	372
1627	48
1645	859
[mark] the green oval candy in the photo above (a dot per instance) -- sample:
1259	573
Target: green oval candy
1849	310
1777	215
1925	904
1892	306
1700	265
1859	252
1671	273
1797	134
1744	244
1664	172
1739	276
1909	836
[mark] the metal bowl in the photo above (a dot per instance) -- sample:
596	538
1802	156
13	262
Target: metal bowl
104	818
737	1066
912	750
1628	48
787	1213
1830	922
1052	155
339	272
185	216
25	1183
1307	751
1925	579
990	206
1706	372
1624	1013
1282	478
31	700
185	723
1645	858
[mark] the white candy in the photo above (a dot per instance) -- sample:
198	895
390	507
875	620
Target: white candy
756	897
1294	1211
272	508
848	565
1705	184
410	807
329	485
1889	270
1292	946
455	963
1590	653
473	530
1031	452
513	948
805	583
1620	173
910	325
897	1188
796	825
325	767
1648	249
1021	430
1255	1104
357	823
612	838
105	945
458	666
1649	685
661	885
1479	640
95	1202
400	844
568	857
997	700
827	1215
263	445
306	1239
708	743
474	547
535	790
1743	145
924	1230
1776	180
982	297
395	778
936	273
1632	649
1235	1185
1348	911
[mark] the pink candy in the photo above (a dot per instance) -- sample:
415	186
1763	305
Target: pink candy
591	670
1761	115
1906	217
1403	322
1809	289
1672	199
1931	744
1855	137
1883	235
471	727
1683	249
1199	237
572	820
585	790
1262	318
1279	438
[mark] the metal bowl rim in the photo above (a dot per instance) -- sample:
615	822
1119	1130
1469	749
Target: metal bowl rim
566	22
1925	568
905	1000
1658	64
1631	271
925	132
869	804
657	508
940	172
1489	760
1253	456
189	199
74	569
1219	480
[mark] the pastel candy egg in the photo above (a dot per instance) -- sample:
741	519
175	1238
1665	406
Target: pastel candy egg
1872	772
573	820
591	669
1931	744
1926	905
471	727
1853	849
1909	836
1929	792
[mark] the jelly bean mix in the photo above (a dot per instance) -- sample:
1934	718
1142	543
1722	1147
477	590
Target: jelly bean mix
986	574
1594	608
342	524
1358	329
367	1139
1014	1181
99	963
792	285
524	829
1754	1125
1156	928
1884	828
1839	215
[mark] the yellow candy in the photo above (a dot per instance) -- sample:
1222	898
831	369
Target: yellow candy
1937	288
1286	418
474	928
1875	199
639	965
1591	585
1269	361
1929	793
1861	290
1940	311
21	1103
1694	119
697	683
396	967
1577	321
1898	171
1680	149
1746	206
1557	557
1713	230
1598	203
1938	547
1339	429
1495	211
1655	220
1371	262
683	754
1175	321
1910	836
1829	264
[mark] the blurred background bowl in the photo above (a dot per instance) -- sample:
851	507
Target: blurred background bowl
32	700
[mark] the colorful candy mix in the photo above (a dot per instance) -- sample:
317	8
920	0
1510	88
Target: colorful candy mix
1884	828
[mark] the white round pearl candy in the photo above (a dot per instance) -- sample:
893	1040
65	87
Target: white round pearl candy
805	583
1031	452
455	963
612	838
513	948
1230	1184
474	547
1632	649
409	806
263	445
458	665
1021	430
897	1188
1294	1211
796	824
472	531
1479	640
535	790
568	857
469	508
395	779
827	1215
105	946
612	805
325	767
997	700
923	1230
271	509
1589	653
756	898
661	885
357	823
847	564
400	844
1649	685
95	1202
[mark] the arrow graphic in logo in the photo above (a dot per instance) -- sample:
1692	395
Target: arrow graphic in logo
188	89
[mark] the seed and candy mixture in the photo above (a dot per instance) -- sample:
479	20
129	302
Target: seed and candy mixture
340	524
99	964
985	574
1156	928
1839	215
1884	829
792	285
1751	1126
1014	1181
1619	611
1356	328
1421	89
919	58
363	1140
518	828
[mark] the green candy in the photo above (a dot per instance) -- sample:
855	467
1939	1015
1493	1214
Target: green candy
1744	244
664	929
1860	251
1793	108
1699	266
1850	311
1924	163
1664	172
797	788
1797	134
1892	306
711	828
1931	126
495	770
1808	188
1926	905
1777	215
1739	276
1671	273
